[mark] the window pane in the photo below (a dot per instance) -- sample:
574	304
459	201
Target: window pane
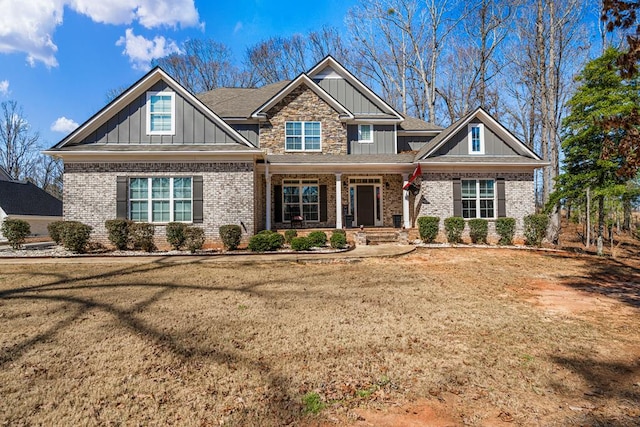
160	211
312	143
293	128
310	212
160	103
160	122
139	211
138	188
365	132
310	194
312	129
291	195
486	188
160	188
182	188
468	189
486	208
468	208
475	139
182	211
294	143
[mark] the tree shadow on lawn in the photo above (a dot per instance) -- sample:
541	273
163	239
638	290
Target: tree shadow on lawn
608	277
284	408
606	382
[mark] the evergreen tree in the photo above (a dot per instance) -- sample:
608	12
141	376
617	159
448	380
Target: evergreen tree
588	164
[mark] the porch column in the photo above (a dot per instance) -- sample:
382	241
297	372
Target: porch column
338	200
405	202
267	176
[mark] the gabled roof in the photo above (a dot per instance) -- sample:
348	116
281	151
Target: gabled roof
239	102
302	79
25	198
329	61
137	89
411	124
437	142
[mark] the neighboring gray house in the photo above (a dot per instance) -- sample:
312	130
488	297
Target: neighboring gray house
322	150
26	201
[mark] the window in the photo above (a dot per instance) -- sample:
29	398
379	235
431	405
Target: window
161	108
478	198
160	199
365	133
476	138
301	197
302	136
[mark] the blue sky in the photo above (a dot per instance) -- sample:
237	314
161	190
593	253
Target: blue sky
58	58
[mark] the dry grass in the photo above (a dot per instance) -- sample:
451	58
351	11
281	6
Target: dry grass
197	343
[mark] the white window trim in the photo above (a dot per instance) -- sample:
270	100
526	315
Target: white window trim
150	200
173	113
304	140
300	183
365	141
470	138
478	198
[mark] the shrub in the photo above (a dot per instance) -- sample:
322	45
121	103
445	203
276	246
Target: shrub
15	231
265	241
142	236
301	244
478	230
338	239
290	234
428	227
230	235
506	228
55	231
75	236
535	228
118	230
176	234
193	238
317	238
454	226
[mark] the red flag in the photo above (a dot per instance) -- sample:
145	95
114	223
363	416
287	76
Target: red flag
416	173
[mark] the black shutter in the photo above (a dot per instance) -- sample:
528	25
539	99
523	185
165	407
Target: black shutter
323	203
502	208
277	203
197	200
457	197
121	196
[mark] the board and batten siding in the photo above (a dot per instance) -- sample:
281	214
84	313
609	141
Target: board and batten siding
383	140
251	131
412	142
129	125
349	96
458	145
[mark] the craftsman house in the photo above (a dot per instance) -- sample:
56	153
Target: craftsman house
320	151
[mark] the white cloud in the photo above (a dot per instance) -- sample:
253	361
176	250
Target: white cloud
28	26
62	124
4	87
238	27
142	51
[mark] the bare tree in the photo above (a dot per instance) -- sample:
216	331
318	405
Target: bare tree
48	175
18	143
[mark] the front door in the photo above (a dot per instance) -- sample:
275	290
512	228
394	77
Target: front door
366	205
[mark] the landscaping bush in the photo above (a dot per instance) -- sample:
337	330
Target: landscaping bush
75	236
317	238
265	241
338	239
230	235
118	232
15	231
454	226
55	231
535	228
175	232
290	234
428	227
478	230
506	228
193	238
141	234
301	244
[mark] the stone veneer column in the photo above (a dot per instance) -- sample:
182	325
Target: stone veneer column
405	202
267	177
338	200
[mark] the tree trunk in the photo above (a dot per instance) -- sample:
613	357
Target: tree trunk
600	223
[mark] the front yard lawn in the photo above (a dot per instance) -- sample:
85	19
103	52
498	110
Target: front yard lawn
478	336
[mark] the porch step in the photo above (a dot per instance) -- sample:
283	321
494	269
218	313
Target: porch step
374	237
